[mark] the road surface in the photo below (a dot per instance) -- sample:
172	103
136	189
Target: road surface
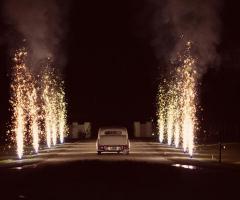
151	171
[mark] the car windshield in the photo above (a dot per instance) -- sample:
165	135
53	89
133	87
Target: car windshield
113	132
113	139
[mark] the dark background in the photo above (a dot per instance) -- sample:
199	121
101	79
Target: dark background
112	73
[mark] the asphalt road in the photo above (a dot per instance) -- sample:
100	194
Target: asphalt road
151	171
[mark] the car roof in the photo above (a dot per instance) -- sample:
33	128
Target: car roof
112	128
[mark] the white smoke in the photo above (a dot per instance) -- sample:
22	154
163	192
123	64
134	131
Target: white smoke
40	23
181	21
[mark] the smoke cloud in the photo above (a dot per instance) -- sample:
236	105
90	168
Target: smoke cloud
179	21
40	23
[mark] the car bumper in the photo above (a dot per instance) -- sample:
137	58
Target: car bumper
112	149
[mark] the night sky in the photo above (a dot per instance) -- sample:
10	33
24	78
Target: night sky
112	72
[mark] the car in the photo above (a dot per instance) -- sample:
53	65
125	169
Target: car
113	139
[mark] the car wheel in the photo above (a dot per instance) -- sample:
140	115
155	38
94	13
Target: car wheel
126	152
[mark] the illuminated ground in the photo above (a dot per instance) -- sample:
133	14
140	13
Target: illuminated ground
140	151
75	171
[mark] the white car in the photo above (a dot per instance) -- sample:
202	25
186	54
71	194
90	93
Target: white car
113	140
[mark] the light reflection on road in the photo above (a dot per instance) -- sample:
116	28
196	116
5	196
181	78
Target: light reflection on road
151	152
185	166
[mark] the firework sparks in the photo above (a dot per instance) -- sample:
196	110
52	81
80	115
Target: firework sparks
189	104
161	128
180	99
24	103
161	112
35	106
33	115
48	108
62	114
176	134
19	129
170	120
55	109
173	112
18	99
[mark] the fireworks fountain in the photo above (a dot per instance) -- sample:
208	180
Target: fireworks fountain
161	128
188	98
37	92
161	113
186	34
176	134
33	115
55	108
180	99
33	106
62	124
170	124
176	110
49	109
19	100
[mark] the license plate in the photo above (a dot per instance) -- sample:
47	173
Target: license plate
112	148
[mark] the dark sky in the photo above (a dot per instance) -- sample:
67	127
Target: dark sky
111	72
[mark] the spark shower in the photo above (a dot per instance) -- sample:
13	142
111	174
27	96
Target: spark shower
177	102
38	102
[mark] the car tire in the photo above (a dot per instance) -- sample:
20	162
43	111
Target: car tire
126	152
